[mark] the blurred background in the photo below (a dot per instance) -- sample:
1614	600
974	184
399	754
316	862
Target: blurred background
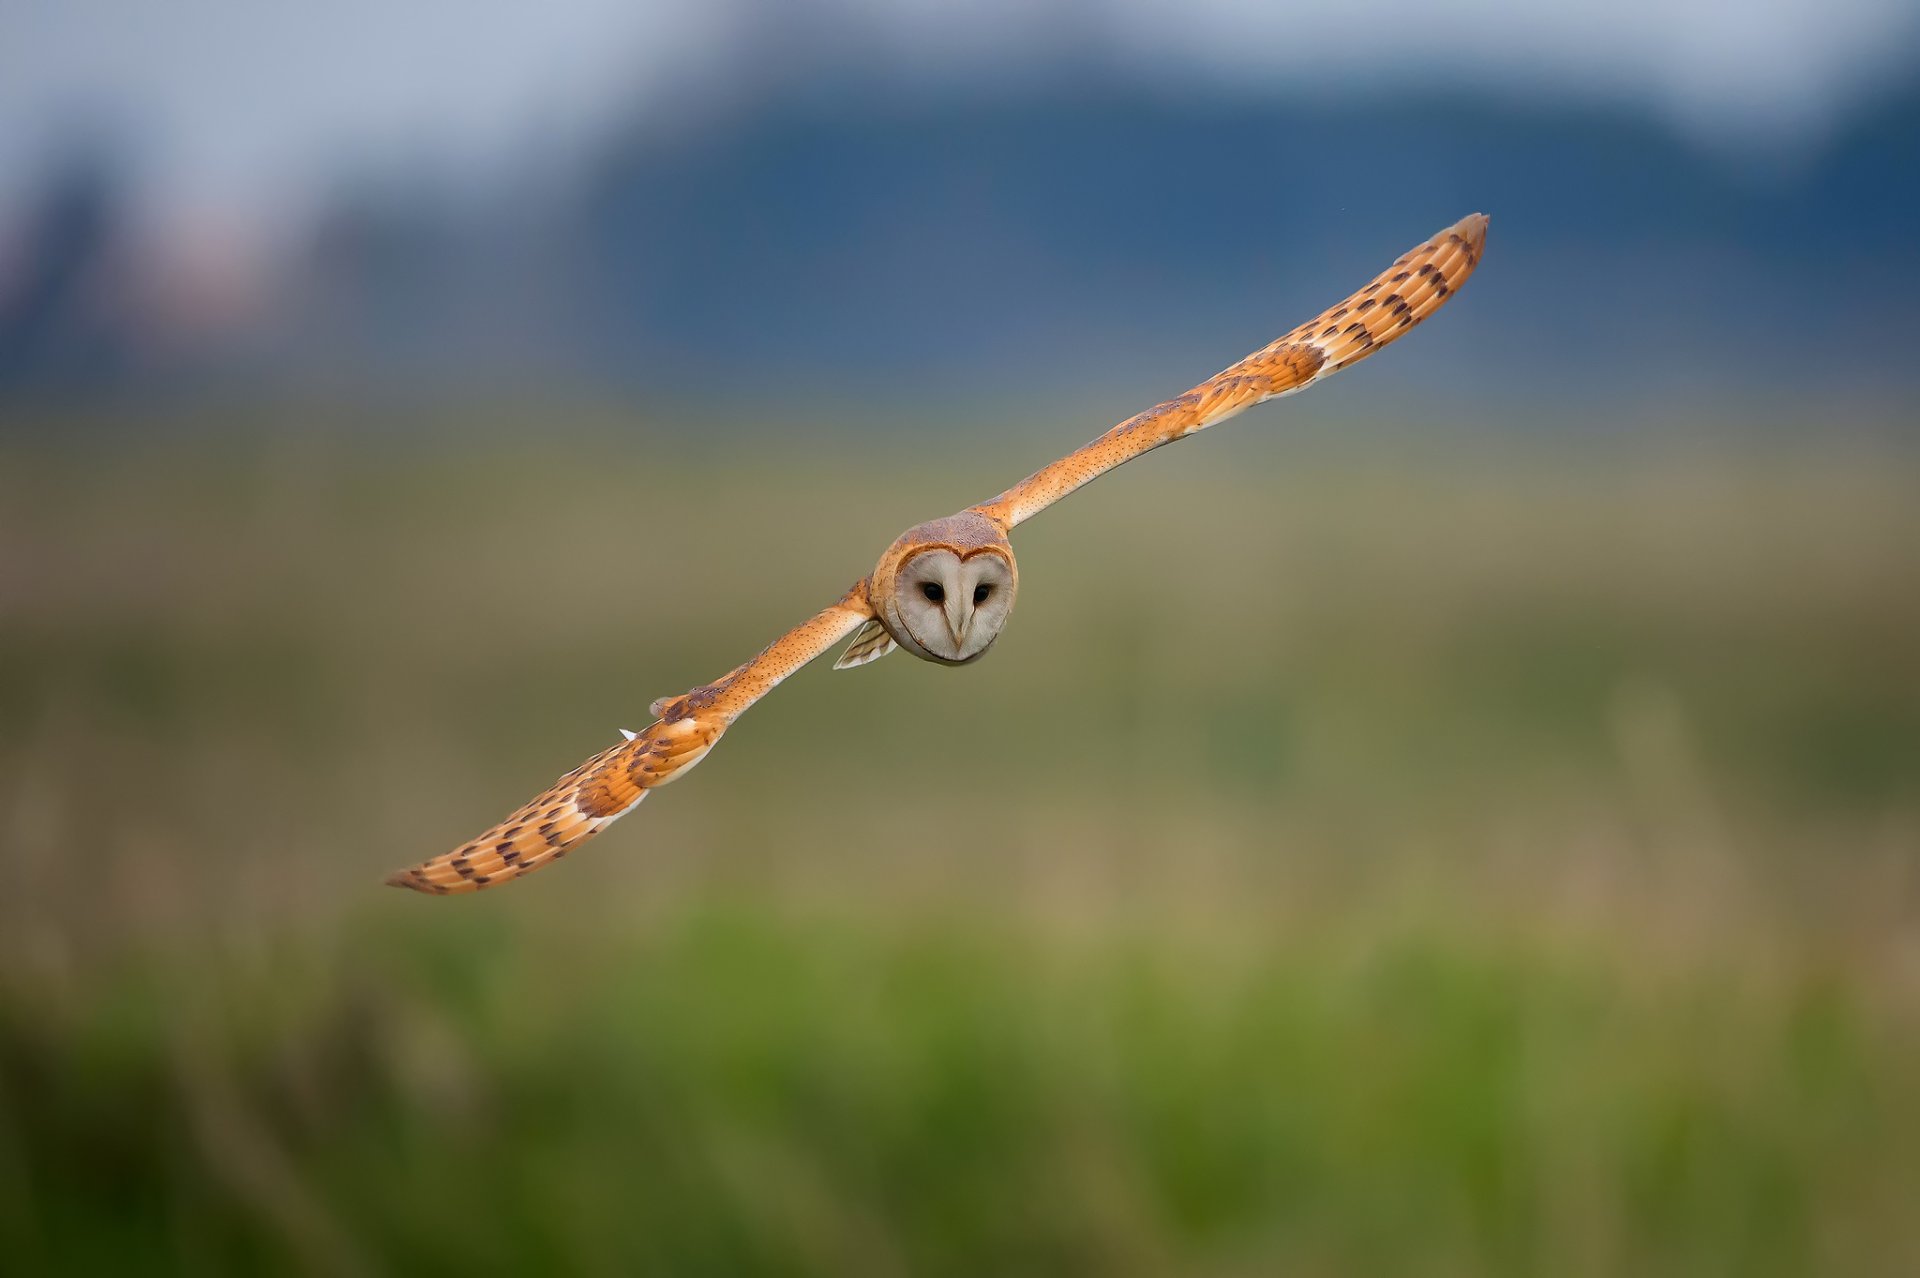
1466	820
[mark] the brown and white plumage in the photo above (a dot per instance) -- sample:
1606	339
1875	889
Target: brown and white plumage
611	784
1414	287
944	589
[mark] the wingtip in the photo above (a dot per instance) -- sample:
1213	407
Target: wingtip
1473	228
410	880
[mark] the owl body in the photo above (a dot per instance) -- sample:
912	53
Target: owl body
943	590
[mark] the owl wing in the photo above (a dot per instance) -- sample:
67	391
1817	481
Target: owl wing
609	785
1414	287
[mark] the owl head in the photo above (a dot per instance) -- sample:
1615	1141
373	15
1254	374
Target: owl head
945	588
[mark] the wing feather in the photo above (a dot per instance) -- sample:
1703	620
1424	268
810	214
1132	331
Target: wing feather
612	783
1414	287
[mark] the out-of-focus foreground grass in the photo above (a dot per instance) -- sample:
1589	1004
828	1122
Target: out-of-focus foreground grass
1347	863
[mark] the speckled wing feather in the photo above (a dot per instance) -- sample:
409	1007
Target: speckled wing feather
1405	293
610	784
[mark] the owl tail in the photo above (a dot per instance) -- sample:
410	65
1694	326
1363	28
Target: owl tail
871	643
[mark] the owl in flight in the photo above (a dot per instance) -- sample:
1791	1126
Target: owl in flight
944	589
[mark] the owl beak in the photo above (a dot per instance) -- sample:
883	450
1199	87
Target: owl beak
959	620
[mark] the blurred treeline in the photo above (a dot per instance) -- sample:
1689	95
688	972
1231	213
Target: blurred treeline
847	234
1392	852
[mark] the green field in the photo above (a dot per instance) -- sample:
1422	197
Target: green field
1416	859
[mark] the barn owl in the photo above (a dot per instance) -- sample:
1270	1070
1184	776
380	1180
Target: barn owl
944	589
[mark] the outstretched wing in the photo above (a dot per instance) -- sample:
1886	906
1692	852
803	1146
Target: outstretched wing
609	785
1401	296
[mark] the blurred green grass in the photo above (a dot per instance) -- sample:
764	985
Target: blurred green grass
1418	858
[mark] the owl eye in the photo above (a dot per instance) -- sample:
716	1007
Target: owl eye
980	594
933	592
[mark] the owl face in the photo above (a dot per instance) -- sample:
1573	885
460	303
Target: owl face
949	607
